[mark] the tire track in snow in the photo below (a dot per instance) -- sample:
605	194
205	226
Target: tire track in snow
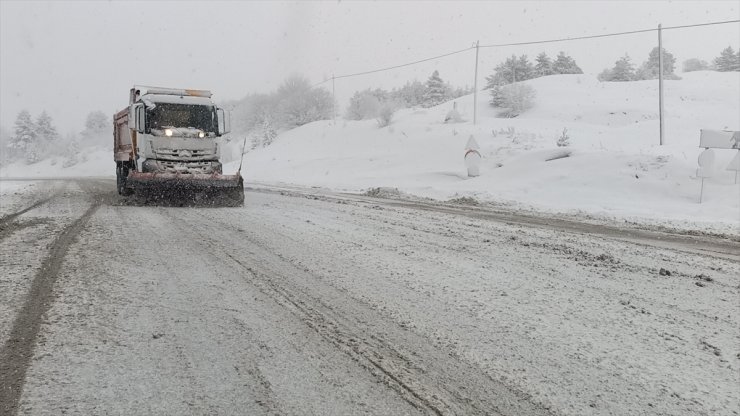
4	221
429	379
16	354
722	248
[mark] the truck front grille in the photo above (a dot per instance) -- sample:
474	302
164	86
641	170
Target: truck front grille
169	166
184	154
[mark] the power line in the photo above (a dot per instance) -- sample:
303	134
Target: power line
566	39
519	44
701	24
606	34
403	65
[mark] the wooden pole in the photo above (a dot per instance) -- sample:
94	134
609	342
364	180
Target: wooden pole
333	102
475	85
660	80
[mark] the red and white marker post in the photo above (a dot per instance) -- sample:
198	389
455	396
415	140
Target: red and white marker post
472	157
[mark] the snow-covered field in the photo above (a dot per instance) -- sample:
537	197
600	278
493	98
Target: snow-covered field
93	161
615	169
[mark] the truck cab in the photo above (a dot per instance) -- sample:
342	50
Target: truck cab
176	131
168	137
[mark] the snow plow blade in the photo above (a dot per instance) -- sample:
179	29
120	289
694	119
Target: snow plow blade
187	189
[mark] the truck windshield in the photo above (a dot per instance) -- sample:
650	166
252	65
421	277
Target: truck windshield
201	117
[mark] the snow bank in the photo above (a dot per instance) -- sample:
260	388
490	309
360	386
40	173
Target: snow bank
614	167
96	161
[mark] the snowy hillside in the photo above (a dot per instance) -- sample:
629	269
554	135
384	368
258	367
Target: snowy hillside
92	161
615	167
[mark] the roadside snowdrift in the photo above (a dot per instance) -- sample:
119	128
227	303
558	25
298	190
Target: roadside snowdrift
614	167
92	161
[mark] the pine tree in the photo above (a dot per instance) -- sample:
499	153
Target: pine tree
268	133
497	95
45	130
544	65
503	73
97	121
623	70
436	91
512	70
564	64
669	62
525	69
97	128
24	138
727	60
71	151
650	69
410	95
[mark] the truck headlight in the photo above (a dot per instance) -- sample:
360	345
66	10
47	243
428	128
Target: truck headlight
201	135
168	132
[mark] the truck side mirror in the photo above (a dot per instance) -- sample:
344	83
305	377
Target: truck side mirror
141	119
137	118
224	121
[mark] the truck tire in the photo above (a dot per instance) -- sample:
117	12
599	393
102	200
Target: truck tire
121	175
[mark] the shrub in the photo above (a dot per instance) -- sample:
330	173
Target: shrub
385	115
695	64
517	98
564	139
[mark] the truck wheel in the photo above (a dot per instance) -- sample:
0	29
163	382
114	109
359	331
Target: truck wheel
121	175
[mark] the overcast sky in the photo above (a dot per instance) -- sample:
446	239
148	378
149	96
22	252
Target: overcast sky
73	57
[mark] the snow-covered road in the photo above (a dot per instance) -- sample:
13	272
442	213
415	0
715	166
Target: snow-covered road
309	302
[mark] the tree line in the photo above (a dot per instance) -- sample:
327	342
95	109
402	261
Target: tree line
625	70
294	103
372	103
34	139
504	84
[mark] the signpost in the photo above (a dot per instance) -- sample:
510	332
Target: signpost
716	139
472	157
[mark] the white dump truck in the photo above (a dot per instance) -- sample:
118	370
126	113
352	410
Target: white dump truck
165	147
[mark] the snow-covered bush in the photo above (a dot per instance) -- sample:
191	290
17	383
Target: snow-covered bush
385	115
695	64
365	104
98	129
299	104
410	95
264	136
564	139
72	151
517	98
453	116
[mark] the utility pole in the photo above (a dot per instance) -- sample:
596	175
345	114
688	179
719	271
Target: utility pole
475	85
660	80
333	102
